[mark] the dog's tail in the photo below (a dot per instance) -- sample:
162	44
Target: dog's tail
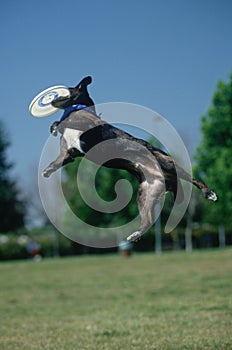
208	194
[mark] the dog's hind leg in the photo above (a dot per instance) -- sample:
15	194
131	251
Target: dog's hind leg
148	195
208	193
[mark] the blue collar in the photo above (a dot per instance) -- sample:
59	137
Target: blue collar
73	108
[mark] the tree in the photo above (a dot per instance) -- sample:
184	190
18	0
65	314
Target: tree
214	155
105	187
12	209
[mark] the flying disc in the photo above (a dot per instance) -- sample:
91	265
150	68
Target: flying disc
41	105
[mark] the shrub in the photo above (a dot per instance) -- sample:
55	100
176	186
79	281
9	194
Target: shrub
47	242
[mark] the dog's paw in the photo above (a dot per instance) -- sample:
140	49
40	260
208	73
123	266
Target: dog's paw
54	128
46	173
134	236
211	196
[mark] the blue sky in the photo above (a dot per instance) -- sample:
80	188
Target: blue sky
165	55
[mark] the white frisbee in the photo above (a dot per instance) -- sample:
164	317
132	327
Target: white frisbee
41	105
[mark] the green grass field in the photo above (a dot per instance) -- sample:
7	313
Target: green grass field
174	301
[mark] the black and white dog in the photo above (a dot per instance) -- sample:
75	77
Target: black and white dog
83	133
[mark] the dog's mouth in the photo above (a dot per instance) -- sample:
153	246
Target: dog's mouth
61	102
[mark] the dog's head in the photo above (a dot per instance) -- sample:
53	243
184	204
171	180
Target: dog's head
78	95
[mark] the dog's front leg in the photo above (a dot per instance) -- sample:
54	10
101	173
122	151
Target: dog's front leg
58	163
63	158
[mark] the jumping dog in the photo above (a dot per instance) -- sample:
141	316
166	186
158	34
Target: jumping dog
84	134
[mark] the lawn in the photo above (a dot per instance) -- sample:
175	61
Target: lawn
174	301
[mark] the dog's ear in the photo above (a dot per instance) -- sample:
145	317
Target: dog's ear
84	82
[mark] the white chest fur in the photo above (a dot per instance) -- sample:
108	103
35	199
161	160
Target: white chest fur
72	137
